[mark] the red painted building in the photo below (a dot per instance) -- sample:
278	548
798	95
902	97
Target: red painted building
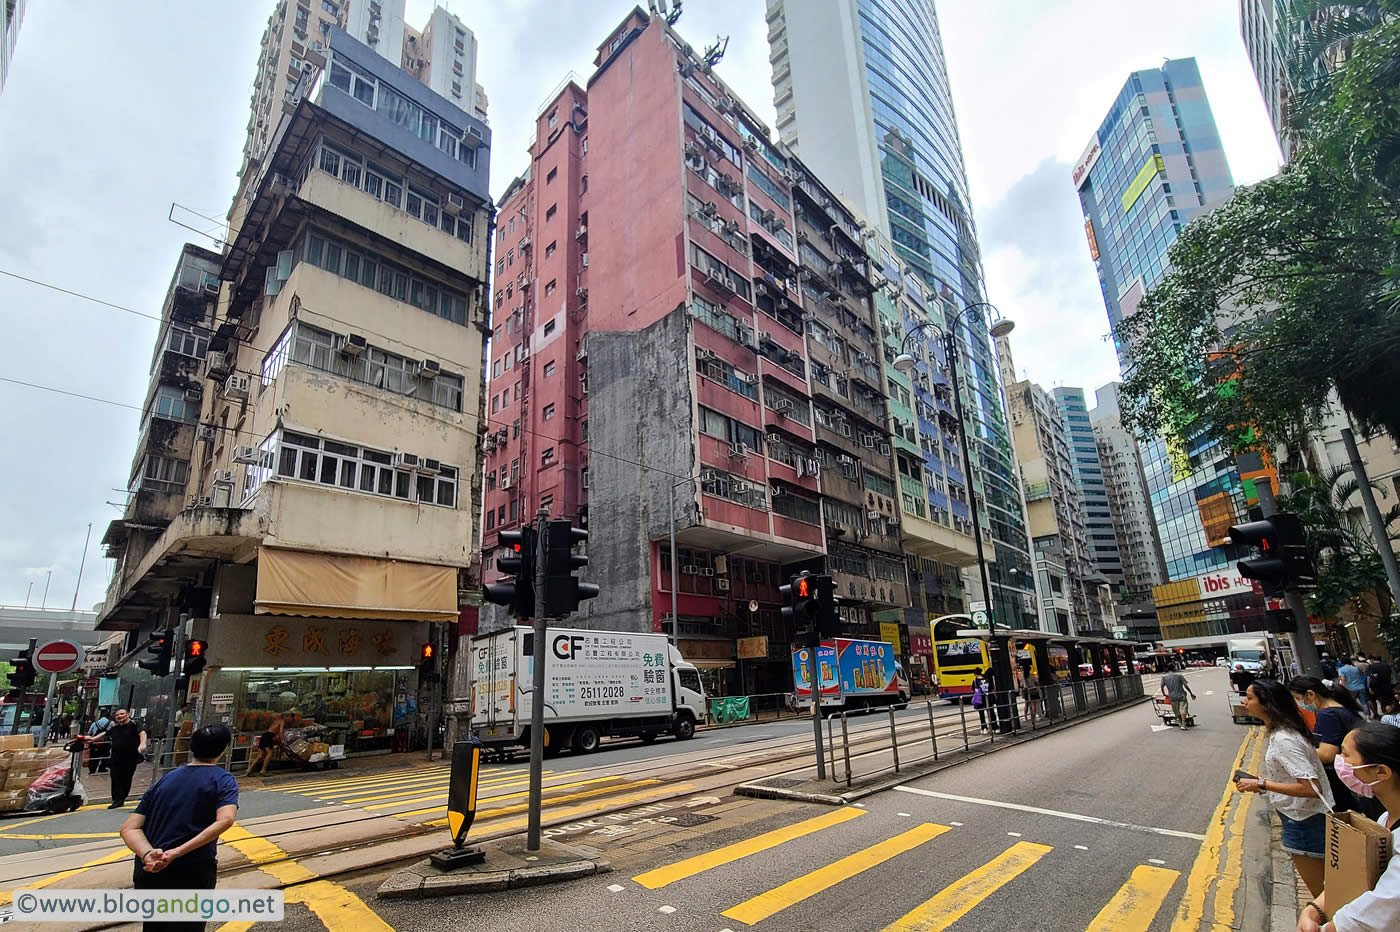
648	340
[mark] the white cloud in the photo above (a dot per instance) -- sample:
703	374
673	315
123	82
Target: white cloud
98	142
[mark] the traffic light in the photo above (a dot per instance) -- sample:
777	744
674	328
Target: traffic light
518	595
160	647
22	676
427	659
823	590
195	659
1283	561
562	590
799	598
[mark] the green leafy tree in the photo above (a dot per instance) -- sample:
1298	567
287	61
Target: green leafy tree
1288	291
1348	565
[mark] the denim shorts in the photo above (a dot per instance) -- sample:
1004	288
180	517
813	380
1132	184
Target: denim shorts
1307	837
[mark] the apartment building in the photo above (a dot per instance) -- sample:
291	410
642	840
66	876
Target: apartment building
685	330
332	482
11	16
443	55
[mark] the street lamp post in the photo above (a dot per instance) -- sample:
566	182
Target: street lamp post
906	362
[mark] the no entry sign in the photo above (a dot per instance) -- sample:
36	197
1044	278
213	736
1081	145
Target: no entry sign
58	657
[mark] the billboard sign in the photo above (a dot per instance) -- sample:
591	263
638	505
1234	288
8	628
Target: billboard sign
866	667
1086	162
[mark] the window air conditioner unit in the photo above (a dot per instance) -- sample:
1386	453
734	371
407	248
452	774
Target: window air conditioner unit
236	386
429	369
689	570
525	243
211	289
584	260
706	571
505	482
751	143
194	395
581	293
203	501
454	203
581	232
738	449
352	344
223	477
429	467
782	405
208	432
410	461
873	515
247	455
722	584
773	438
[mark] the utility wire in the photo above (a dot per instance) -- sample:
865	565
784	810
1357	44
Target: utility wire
508	424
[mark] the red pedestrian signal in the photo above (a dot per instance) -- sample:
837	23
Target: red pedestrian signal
195	658
427	659
802	588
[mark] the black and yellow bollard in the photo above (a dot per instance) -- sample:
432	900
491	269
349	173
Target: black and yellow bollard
461	806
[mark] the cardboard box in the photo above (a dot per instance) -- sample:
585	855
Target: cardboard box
16	742
1358	851
10	800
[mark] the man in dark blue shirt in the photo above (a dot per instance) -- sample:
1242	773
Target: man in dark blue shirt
176	826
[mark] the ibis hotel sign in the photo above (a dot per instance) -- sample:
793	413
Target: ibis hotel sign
1086	161
1223	583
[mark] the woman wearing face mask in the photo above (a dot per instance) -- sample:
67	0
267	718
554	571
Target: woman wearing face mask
1338	712
1292	777
1370	764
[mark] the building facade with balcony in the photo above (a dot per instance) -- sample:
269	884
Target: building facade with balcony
862	96
333	485
684	331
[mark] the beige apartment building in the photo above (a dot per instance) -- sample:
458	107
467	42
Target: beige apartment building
332	490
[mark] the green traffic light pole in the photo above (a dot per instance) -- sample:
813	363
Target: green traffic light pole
177	654
906	362
541	626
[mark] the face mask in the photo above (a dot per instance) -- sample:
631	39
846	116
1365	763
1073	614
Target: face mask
1347	773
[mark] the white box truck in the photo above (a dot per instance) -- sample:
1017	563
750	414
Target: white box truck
597	684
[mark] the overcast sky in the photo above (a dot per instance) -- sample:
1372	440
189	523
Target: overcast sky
105	121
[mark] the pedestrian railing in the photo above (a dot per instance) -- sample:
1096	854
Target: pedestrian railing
857	753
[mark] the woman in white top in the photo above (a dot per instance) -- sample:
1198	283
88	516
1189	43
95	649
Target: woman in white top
1370	765
1293	778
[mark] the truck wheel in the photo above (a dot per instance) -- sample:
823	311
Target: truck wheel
685	728
586	740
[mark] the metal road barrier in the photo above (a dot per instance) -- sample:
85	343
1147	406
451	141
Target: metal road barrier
1008	713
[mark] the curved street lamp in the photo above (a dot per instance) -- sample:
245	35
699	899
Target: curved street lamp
906	362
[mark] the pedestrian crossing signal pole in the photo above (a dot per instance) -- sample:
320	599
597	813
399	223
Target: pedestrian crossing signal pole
532	833
801	608
461	806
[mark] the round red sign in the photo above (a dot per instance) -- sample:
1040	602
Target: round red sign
58	657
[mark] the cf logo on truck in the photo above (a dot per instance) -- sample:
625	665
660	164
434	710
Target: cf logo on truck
566	646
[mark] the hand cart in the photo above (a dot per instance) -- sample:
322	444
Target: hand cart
1163	707
308	750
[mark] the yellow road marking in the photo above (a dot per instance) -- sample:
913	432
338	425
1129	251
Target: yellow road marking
795	891
1203	870
496	813
47	818
337	908
8	836
443	796
680	870
259	851
954	901
490	784
564	814
406	785
1229	878
235	927
1135	905
7	897
359	781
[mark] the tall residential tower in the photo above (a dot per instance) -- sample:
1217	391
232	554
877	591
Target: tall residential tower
862	95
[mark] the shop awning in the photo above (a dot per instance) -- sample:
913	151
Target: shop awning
323	585
710	664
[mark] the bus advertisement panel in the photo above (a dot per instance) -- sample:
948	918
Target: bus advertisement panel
957	662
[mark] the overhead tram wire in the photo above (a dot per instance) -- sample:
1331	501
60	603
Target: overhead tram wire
485	419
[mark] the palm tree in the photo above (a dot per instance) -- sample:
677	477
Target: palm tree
1348	566
1319	35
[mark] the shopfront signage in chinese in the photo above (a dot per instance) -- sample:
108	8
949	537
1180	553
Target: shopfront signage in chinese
268	641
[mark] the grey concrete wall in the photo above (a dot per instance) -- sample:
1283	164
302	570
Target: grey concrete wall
640	411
